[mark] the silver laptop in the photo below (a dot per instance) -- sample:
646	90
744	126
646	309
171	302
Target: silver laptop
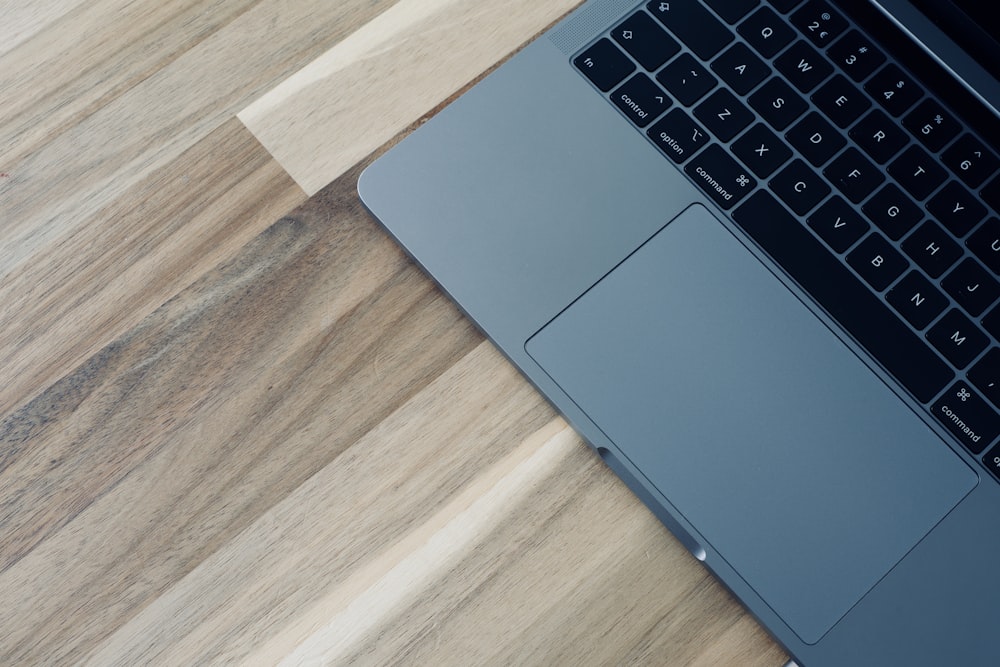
750	249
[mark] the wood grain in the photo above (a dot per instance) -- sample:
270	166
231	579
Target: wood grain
395	69
237	425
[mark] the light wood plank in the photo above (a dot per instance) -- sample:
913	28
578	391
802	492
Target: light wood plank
102	277
366	89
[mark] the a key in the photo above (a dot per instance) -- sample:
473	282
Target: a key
604	64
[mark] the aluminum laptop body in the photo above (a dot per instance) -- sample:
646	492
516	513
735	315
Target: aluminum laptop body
783	352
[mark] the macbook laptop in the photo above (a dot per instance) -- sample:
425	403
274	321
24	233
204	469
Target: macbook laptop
751	250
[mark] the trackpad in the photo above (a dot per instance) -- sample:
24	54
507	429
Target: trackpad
801	468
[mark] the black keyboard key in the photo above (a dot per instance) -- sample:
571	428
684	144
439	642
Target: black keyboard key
916	299
604	65
843	296
732	11
972	287
819	22
799	187
932	125
991	193
720	176
856	55
785	6
992	461
971	160
957	338
766	32
803	66
740	68
877	261
957	209
686	79
761	150
694	25
854	175
893	212
985	244
932	249
894	90
918	172
641	100
816	139
992	323
838	224
678	136
968	417
841	101
985	375
723	114
648	43
778	104
879	136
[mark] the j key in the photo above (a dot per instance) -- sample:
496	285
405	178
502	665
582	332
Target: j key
932	249
686	79
956	208
819	22
856	55
778	104
932	125
841	101
985	375
803	66
678	136
799	187
971	160
877	262
957	338
893	89
732	11
761	150
740	68
838	224
767	32
968	417
720	176
694	25
854	175
917	172
816	139
972	287
917	300
648	43
723	114
893	212
879	136
641	100
604	65
985	244
844	296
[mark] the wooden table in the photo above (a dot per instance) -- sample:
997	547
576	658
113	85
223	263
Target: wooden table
236	424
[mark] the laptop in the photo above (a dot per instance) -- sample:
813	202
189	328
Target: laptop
751	250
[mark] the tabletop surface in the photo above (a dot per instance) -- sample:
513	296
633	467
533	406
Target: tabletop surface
237	425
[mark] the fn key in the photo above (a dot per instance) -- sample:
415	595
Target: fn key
720	176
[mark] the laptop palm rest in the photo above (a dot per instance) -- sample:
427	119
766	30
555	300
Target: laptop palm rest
772	438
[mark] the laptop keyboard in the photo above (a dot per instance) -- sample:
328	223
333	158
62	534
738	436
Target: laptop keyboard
868	191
